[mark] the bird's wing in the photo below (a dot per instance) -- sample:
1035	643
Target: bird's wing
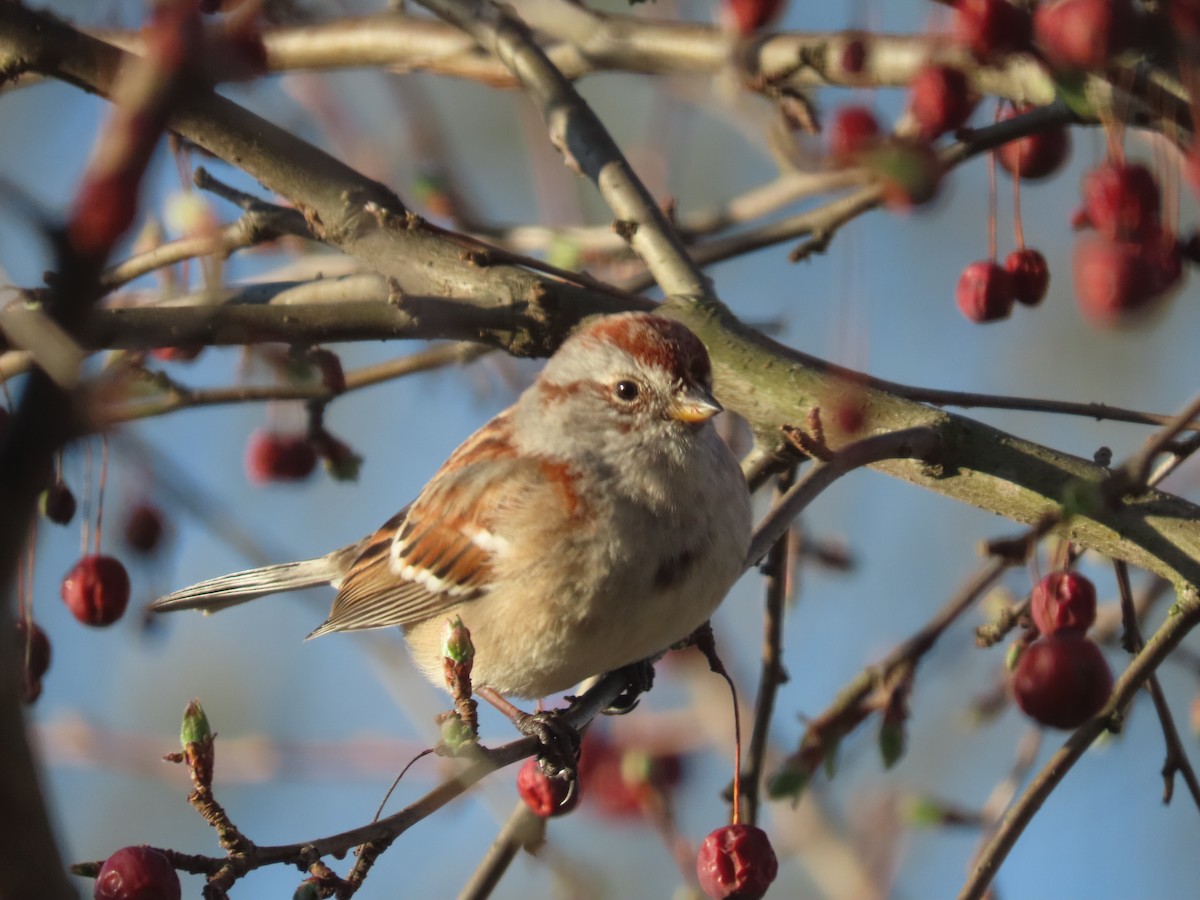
438	553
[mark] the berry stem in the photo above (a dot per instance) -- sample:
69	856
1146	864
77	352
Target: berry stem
86	504
100	491
992	196
1018	225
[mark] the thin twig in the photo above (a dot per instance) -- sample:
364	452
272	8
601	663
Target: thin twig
919	443
776	575
178	397
260	225
383	832
1176	759
521	829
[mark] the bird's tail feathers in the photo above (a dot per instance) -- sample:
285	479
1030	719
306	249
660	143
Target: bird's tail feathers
220	593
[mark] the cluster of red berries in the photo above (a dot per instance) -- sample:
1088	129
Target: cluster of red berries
96	590
987	291
735	862
1062	679
1131	260
619	783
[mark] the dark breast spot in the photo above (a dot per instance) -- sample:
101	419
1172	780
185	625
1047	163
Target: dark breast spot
672	570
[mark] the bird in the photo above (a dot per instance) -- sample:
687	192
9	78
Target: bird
591	525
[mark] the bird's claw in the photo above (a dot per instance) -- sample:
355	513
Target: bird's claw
559	756
640	677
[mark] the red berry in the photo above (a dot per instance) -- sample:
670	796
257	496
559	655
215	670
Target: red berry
984	292
144	527
1029	274
58	503
547	797
941	99
271	456
1062	680
988	27
750	15
33	654
1034	156
137	873
1083	34
1122	201
96	590
619	783
736	862
1117	281
853	130
1063	602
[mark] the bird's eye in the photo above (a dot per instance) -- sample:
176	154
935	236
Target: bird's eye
626	390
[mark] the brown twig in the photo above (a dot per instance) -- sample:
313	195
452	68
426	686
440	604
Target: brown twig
522	829
918	443
856	701
380	834
180	397
772	673
1176	759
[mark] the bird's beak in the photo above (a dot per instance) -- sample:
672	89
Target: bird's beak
694	405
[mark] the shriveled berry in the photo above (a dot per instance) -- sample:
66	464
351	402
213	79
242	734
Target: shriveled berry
137	873
988	27
271	456
1030	276
1062	680
736	862
749	16
1063	602
941	99
33	655
547	797
984	292
144	527
1083	34
852	130
96	590
58	503
1034	156
1122	201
